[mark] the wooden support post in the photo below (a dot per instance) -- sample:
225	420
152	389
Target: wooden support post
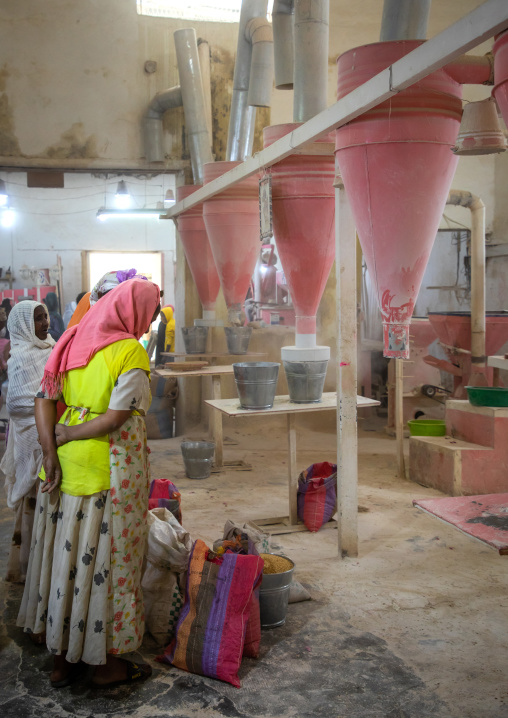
217	425
292	470
347	440
399	416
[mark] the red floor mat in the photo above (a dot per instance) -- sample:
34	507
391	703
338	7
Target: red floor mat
483	517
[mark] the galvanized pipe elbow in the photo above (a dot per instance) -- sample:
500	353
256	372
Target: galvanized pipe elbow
152	122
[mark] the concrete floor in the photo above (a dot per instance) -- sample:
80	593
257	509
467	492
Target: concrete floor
415	627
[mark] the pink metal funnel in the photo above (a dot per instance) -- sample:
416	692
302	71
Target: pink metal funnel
397	166
232	224
453	330
192	231
303	221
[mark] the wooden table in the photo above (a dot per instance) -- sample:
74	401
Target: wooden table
282	405
216	372
214	355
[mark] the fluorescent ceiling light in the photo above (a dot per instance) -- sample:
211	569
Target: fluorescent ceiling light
103	214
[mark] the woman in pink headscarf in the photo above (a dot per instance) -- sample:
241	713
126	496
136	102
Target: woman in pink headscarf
83	584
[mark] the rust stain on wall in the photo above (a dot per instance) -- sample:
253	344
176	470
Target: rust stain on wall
73	145
262	120
221	71
9	145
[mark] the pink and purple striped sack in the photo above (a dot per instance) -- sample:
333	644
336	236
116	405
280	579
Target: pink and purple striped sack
317	494
210	634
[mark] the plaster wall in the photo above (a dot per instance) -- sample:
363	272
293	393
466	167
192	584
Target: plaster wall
51	222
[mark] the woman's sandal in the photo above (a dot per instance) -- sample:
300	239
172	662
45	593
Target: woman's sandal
135	672
76	671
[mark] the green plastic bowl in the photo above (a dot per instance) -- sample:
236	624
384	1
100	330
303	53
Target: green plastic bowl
487	395
427	427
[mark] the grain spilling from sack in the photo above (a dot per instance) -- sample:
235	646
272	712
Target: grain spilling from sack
275	564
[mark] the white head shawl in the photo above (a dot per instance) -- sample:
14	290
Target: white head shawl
29	355
22	461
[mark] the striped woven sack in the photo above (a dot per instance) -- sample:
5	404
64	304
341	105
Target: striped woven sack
317	494
210	633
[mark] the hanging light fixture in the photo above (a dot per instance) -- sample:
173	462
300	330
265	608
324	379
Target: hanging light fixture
122	196
480	131
4	197
169	198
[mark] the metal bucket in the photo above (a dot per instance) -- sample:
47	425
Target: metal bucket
195	339
274	597
198	458
237	339
256	383
306	380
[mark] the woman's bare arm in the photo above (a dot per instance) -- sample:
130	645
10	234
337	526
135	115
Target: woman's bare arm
102	425
45	420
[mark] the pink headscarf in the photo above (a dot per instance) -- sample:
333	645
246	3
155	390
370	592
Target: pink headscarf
124	312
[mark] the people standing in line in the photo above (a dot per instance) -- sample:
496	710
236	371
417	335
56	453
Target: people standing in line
56	322
83	584
165	335
31	346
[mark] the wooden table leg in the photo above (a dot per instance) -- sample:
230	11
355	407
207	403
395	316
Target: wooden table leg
217	425
292	470
495	377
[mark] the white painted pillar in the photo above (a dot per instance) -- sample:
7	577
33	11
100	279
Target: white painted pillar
347	440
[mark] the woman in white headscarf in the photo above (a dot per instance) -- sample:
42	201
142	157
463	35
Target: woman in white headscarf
31	345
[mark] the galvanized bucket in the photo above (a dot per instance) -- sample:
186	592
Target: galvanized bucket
306	380
274	597
198	458
195	339
237	339
256	383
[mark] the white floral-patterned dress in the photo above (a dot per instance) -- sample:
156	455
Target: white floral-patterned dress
83	584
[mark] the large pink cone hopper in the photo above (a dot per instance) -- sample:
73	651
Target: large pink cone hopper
232	225
397	166
192	231
304	226
453	330
500	89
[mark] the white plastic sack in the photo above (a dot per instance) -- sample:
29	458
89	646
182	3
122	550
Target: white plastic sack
169	544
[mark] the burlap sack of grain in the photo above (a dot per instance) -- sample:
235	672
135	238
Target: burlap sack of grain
168	551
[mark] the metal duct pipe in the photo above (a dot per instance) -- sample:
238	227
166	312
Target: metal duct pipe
193	101
242	116
152	122
204	64
311	60
259	33
405	20
283	18
477	208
